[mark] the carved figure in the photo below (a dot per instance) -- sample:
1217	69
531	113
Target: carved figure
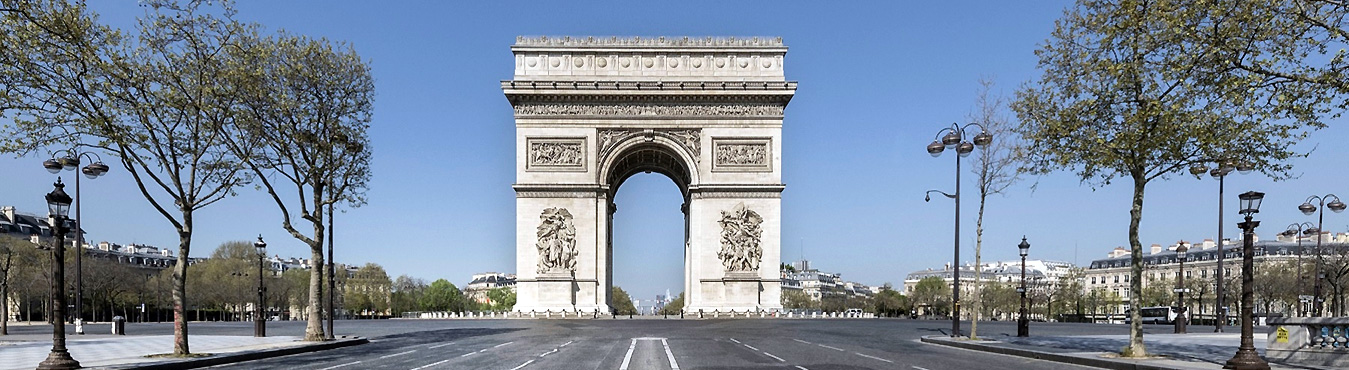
742	154
740	233
556	153
557	241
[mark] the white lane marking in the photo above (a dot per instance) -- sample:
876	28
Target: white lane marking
565	344
736	341
804	368
346	364
432	364
523	365
440	345
873	357
833	348
397	354
549	352
802	341
467	354
628	357
499	345
750	347
673	365
919	368
775	357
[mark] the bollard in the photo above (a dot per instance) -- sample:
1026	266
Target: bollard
119	325
700	313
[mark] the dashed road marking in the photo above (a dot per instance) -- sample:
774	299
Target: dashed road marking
804	368
499	345
549	352
736	341
565	344
467	354
802	341
628	357
750	347
430	365
833	348
523	365
873	357
397	354
346	364
919	367
774	357
673	365
440	345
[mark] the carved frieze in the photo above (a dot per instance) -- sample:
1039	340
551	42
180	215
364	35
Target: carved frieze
649	110
740	235
556	154
556	242
742	154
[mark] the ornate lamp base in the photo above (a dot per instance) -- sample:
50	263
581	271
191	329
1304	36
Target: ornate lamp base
58	360
1246	359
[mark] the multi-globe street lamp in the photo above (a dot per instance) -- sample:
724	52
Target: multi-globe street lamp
69	162
1023	323
58	204
1181	319
1318	208
1246	357
1297	231
259	322
1221	168
954	138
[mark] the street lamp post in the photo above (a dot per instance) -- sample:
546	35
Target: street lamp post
1246	357
954	138
1298	231
259	322
1308	208
1181	319
1023	323
70	162
1220	171
58	203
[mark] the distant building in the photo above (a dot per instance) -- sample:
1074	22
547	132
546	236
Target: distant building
477	288
818	284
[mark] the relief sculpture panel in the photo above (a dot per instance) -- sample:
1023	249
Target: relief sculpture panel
556	242
556	154
740	234
751	155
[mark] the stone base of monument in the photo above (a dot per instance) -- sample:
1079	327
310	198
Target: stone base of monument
735	292
552	291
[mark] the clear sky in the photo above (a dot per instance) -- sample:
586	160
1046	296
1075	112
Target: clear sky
877	81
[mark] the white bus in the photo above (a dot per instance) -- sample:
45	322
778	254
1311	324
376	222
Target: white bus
1153	315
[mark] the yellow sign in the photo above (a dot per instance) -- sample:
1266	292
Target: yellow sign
1281	335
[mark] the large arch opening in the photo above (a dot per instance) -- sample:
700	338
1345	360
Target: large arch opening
653	229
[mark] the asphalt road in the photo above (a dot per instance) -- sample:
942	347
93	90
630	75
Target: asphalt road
657	344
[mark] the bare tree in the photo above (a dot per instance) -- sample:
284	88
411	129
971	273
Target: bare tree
995	171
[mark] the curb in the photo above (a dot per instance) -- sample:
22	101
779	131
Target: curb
1047	356
241	356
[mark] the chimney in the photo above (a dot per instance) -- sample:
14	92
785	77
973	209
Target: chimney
1156	248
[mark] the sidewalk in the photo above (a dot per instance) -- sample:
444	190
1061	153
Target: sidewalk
128	352
1175	351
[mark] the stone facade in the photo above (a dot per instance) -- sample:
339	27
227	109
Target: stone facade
591	112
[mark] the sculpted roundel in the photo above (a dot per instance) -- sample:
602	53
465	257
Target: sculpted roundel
740	235
557	241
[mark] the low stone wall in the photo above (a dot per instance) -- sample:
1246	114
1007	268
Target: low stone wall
1318	341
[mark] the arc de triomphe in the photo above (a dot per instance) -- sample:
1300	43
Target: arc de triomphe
591	112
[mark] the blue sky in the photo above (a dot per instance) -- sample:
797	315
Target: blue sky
877	80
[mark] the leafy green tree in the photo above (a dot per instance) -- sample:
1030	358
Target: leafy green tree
8	247
796	299
407	292
442	295
622	303
933	293
675	306
501	299
367	290
1127	92
891	303
1296	48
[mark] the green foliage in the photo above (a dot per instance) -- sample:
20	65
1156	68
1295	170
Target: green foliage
442	295
501	299
622	303
675	306
407	294
933	295
796	299
367	291
891	303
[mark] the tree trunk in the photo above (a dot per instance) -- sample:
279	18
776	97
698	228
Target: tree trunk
978	268
180	287
314	328
1135	347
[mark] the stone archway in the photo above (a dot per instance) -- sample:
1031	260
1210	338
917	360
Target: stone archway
705	112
